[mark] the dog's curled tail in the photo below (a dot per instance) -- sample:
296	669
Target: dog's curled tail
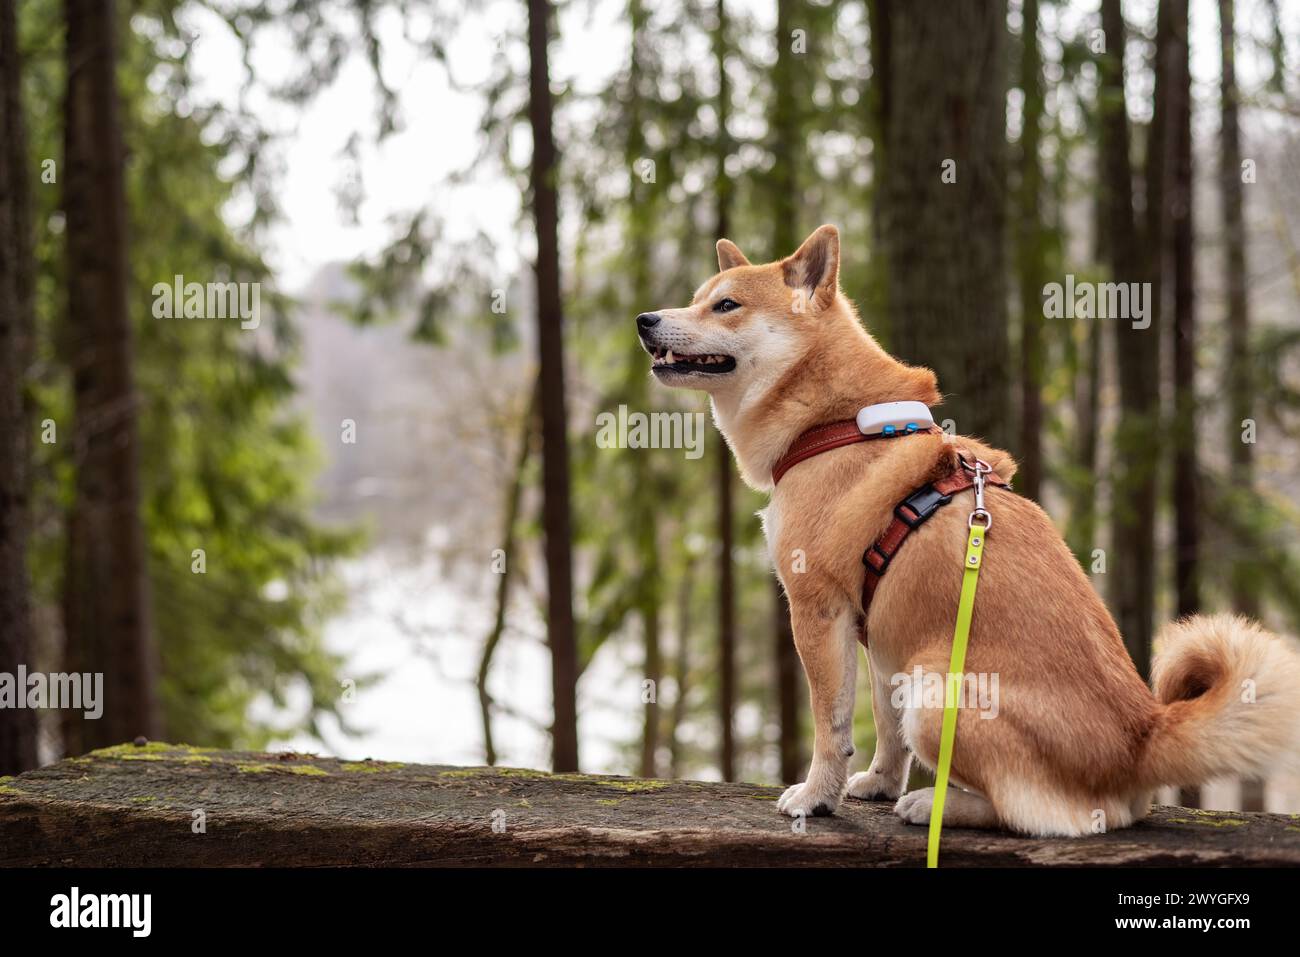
1231	702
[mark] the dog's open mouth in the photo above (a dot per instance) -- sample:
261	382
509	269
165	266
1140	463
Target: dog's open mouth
666	361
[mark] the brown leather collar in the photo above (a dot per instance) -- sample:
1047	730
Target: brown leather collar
834	435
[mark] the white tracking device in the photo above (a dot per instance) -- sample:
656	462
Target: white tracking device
894	418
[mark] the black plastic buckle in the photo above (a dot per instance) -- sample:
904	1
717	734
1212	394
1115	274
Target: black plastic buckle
883	558
924	502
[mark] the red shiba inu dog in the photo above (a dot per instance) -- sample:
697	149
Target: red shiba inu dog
1078	742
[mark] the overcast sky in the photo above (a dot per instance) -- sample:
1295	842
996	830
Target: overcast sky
440	136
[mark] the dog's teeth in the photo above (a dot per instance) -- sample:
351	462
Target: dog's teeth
670	357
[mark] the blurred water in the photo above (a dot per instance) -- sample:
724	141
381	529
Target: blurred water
422	639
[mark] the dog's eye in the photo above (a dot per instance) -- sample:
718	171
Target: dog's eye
725	305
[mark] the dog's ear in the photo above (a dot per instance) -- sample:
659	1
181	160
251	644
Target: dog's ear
815	266
730	256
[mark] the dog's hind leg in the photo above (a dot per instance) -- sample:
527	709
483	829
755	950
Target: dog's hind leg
827	644
886	777
960	808
1019	792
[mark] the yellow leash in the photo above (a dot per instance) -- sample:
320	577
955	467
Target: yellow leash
965	607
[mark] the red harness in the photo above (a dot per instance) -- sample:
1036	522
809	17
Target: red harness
911	513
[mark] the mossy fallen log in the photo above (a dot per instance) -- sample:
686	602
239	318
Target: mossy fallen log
174	805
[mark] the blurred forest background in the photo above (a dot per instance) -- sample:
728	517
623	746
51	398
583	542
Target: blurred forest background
380	523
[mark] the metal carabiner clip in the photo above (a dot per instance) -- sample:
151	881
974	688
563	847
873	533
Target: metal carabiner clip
978	471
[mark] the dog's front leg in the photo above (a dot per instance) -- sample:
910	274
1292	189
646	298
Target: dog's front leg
827	646
886	778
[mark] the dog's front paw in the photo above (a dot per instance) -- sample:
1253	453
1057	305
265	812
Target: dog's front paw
806	800
872	785
914	806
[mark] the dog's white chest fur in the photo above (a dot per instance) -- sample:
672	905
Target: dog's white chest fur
770	517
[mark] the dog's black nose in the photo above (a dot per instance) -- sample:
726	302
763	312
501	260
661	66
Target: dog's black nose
647	320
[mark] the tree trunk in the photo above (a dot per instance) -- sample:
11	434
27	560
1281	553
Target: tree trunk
726	615
724	467
1082	533
1131	565
1179	197
642	510
1083	510
878	96
1276	45
681	672
1030	236
654	670
17	333
106	590
556	521
943	197
514	495
787	154
1186	495
1237	384
787	684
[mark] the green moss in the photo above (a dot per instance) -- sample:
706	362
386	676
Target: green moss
308	769
610	802
5	789
142	799
527	774
626	785
151	751
1205	821
633	785
1207	818
371	767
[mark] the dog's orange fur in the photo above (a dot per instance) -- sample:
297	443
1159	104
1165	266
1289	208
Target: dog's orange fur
1079	741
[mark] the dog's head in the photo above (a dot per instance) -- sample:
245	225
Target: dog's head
747	324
